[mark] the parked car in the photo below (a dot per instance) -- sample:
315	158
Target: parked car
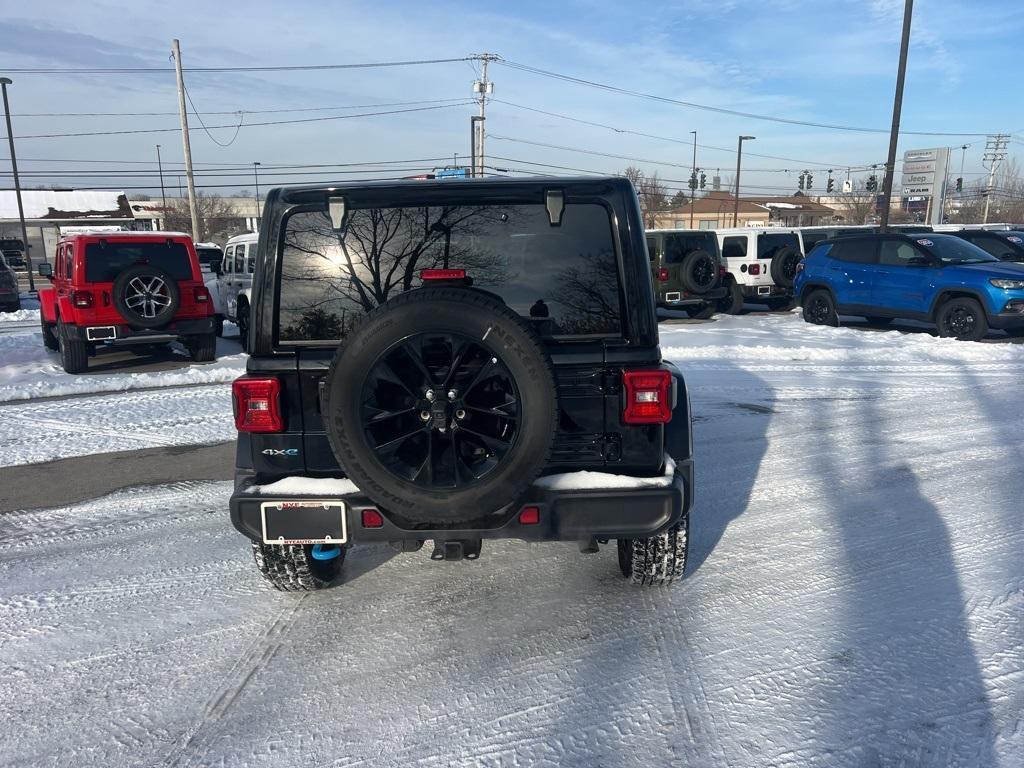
760	264
1005	245
686	266
236	282
936	278
13	251
211	262
125	289
10	299
457	361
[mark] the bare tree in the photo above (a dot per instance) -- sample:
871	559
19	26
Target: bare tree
650	190
858	205
217	217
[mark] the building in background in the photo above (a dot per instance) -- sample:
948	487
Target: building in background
797	210
714	211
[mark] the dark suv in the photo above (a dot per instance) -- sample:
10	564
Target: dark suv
10	299
686	268
458	361
1005	245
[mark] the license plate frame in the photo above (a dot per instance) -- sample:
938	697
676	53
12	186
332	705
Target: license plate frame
304	521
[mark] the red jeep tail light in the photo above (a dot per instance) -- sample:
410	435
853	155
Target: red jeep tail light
442	274
81	299
648	397
663	274
257	404
201	294
755	269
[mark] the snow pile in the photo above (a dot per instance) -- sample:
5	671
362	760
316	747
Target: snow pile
306	486
585	480
19	316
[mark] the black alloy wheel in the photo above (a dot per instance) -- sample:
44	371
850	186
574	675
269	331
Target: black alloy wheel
820	310
440	410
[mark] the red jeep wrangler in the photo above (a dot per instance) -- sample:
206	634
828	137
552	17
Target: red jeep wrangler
125	288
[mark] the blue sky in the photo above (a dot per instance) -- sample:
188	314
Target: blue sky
830	62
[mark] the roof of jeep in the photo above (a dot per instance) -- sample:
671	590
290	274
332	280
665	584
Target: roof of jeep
129	235
432	185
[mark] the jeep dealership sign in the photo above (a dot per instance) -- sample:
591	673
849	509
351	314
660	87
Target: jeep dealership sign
924	173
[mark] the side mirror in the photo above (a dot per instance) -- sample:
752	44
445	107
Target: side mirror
46	270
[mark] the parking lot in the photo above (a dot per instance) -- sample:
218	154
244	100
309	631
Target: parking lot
853	595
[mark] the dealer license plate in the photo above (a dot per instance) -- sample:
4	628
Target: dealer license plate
304	522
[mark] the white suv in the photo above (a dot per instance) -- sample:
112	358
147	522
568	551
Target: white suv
761	264
236	281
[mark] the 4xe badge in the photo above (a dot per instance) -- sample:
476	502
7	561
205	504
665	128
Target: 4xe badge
280	451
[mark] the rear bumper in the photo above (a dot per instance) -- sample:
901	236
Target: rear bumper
683	299
124	335
565	515
764	292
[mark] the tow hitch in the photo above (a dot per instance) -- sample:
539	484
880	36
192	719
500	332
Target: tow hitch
457	549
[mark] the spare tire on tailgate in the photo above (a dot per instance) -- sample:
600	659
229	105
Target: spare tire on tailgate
146	297
441	405
698	272
783	269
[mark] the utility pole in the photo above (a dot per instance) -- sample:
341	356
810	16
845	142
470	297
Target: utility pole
256	176
897	107
197	233
4	82
739	155
693	185
163	195
995	153
945	186
482	88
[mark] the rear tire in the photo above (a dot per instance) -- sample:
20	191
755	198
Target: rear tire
733	303
49	339
74	354
242	321
203	349
962	319
702	313
820	309
292	568
656	561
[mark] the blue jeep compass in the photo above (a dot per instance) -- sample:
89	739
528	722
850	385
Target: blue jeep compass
939	279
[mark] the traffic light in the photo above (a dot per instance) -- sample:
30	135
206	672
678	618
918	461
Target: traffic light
810	180
831	185
872	183
802	177
959	183
693	180
703	180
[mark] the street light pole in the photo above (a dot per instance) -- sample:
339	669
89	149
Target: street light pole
256	174
739	155
897	107
163	195
4	82
693	188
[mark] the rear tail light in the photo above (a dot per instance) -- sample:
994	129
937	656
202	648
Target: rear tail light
442	274
201	294
755	269
529	516
81	299
648	397
372	519
663	274
257	404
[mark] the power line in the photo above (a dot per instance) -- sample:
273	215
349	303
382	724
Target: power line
238	111
241	119
167	70
249	125
708	108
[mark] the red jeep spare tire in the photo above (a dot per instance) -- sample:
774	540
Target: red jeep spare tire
146	297
441	405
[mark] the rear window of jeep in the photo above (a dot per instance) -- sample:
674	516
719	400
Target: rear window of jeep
105	260
564	279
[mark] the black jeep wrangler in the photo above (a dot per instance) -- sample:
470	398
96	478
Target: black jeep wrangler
458	361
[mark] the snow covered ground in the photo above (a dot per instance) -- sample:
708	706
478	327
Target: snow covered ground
855	597
28	370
